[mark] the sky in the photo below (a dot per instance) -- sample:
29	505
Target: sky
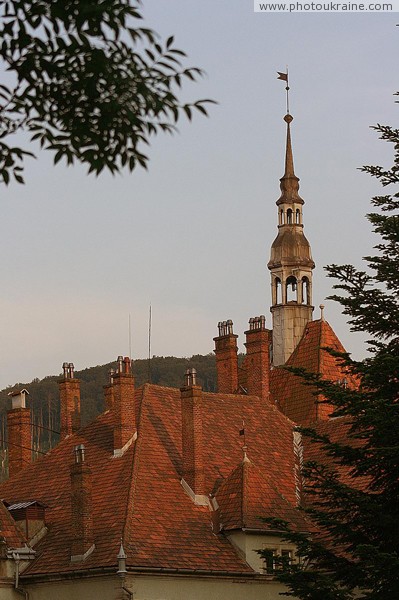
192	236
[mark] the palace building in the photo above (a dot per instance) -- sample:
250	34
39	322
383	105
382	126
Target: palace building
164	496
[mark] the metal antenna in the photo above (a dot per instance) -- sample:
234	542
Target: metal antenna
130	338
149	345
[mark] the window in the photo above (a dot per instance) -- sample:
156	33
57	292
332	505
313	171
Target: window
269	556
286	559
277	559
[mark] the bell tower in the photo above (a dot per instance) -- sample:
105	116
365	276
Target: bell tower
290	265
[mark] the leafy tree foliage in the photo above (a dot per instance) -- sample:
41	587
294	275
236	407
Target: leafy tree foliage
86	82
354	551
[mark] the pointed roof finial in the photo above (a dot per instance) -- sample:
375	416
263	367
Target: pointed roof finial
321	312
245	458
121	558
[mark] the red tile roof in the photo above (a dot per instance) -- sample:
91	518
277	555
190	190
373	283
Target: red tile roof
288	392
337	430
139	496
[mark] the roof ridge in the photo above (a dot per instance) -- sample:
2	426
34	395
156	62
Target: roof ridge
320	361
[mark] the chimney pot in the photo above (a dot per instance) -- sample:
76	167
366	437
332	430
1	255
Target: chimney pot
18	398
190	377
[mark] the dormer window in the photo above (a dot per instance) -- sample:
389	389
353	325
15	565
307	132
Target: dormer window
29	516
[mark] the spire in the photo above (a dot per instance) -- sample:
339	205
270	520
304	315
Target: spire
289	161
291	265
289	183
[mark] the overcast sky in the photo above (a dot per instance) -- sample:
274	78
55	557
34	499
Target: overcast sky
192	235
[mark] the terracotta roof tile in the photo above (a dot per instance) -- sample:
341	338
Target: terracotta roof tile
337	430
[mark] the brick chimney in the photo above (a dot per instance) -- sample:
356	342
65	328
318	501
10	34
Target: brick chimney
123	403
257	360
81	503
69	388
19	432
226	358
109	391
193	479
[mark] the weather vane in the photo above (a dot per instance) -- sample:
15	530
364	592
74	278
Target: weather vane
284	77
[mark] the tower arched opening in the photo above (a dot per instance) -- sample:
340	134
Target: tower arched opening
291	289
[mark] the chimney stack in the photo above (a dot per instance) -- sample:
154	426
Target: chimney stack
193	479
109	391
123	404
81	504
19	424
69	401
257	360
226	358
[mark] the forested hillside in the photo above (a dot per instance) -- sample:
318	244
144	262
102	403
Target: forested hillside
44	396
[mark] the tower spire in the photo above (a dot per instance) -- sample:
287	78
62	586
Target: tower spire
291	265
289	161
289	183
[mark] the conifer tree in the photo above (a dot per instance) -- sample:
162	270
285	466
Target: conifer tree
353	550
